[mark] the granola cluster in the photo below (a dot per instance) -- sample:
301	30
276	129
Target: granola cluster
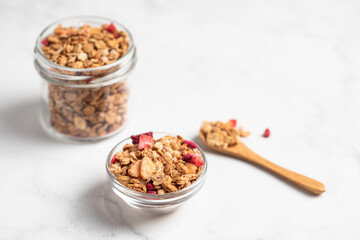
93	111
157	166
90	112
223	135
85	47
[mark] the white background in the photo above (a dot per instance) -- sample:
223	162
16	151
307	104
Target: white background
292	66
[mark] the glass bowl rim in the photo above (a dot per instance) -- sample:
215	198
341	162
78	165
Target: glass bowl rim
166	196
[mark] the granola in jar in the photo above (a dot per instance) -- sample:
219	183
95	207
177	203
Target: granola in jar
157	166
86	63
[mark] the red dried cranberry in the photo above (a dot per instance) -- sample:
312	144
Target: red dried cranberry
150	187
45	42
266	133
233	122
113	160
111	28
190	144
197	160
152	192
92	77
122	90
187	157
116	35
135	138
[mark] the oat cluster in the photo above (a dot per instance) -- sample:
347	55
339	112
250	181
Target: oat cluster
90	112
87	112
223	135
160	166
85	47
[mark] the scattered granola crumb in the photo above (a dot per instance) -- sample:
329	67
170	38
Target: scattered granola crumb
243	132
159	168
266	133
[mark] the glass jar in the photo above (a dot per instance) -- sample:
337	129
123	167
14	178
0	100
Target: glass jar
86	104
154	203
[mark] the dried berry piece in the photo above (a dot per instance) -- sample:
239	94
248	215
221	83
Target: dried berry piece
45	42
111	28
145	141
196	160
150	187
190	144
152	192
135	138
113	160
232	122
187	157
92	77
266	133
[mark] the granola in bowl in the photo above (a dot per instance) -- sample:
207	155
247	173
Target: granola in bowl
157	166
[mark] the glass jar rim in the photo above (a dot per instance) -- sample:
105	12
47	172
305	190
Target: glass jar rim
84	18
154	197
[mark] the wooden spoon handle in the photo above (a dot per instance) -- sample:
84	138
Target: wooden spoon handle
305	182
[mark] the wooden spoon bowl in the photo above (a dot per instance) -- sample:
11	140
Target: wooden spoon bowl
241	151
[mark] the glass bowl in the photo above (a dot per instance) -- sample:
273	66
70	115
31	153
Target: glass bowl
153	203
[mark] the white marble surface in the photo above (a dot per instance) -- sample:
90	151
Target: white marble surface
292	66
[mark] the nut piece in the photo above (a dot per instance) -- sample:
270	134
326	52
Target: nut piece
191	168
161	192
134	169
80	123
147	168
82	56
243	132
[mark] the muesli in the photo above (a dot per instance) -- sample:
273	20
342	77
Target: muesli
223	135
157	166
93	111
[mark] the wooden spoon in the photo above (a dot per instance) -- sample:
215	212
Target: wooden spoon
240	150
